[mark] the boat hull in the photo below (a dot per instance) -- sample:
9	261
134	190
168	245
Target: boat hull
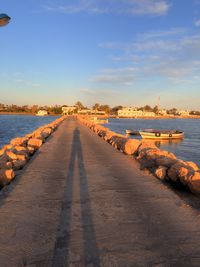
161	136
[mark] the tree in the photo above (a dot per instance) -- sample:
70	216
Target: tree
147	108
156	110
105	108
79	105
115	109
96	106
172	111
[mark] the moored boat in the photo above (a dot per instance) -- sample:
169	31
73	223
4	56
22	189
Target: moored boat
161	134
132	132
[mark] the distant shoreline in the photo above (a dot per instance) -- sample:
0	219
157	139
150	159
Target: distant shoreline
24	113
158	117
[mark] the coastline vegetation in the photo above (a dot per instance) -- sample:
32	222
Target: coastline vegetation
57	109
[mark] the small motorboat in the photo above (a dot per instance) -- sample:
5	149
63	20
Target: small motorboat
132	132
161	134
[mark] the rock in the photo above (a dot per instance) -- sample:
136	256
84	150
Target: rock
165	161
19	164
20	150
2	151
4	162
118	141
161	172
6	176
194	183
34	142
193	165
39	135
146	145
109	135
14	156
19	141
146	164
11	155
130	147
180	172
31	150
46	132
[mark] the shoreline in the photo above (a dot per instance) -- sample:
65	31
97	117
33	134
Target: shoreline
27	114
156	117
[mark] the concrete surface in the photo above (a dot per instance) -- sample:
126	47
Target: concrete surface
80	202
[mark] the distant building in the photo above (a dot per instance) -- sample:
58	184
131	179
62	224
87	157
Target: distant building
42	112
68	110
131	112
162	112
91	112
84	111
183	112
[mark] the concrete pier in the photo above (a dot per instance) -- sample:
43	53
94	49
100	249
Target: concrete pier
80	202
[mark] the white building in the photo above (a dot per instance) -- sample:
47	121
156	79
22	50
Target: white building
183	112
91	112
42	112
162	112
129	112
68	110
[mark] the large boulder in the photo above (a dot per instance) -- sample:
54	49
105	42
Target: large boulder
192	165
19	164
194	183
4	162
180	172
34	142
161	172
144	147
130	147
19	141
6	176
15	156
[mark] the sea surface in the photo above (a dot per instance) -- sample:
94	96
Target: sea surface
12	126
187	149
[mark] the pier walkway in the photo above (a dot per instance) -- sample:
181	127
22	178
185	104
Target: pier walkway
80	202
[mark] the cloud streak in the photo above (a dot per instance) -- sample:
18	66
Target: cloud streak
170	54
132	7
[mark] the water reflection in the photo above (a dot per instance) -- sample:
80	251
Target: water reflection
172	142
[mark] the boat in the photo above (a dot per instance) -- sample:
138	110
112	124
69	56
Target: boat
161	134
99	120
132	132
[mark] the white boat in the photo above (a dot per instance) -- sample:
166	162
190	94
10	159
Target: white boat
161	134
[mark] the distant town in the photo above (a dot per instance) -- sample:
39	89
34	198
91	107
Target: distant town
97	109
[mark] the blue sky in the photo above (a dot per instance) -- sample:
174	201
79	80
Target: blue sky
127	52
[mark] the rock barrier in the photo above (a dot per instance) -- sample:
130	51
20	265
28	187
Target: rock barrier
162	164
17	153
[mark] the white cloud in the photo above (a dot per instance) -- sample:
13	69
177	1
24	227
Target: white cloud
120	76
151	7
197	23
171	54
134	7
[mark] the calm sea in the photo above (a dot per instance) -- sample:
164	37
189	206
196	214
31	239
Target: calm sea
12	126
187	149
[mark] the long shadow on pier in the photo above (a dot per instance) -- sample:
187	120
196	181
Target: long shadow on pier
62	245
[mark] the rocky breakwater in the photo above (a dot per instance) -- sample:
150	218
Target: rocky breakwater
17	153
162	164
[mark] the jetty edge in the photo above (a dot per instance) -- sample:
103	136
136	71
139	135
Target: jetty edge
15	155
163	164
